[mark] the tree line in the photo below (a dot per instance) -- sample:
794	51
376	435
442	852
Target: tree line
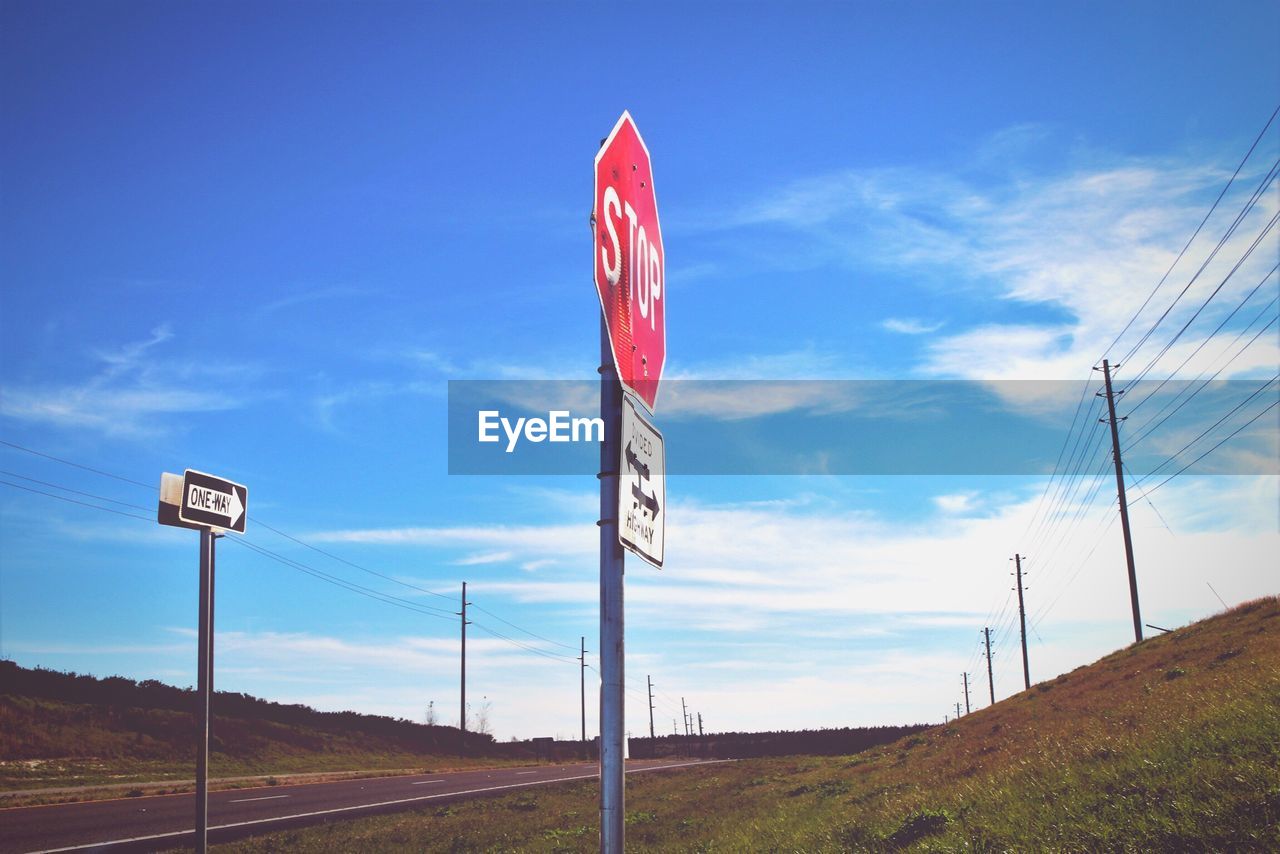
121	692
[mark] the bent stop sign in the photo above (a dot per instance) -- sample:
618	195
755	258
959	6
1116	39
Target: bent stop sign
630	265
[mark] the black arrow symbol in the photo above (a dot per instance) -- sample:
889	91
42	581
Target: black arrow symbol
649	502
634	462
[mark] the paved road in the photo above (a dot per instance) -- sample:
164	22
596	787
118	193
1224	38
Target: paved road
166	821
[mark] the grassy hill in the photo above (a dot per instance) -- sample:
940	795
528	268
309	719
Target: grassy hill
1170	745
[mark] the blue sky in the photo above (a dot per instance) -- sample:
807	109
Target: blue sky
260	239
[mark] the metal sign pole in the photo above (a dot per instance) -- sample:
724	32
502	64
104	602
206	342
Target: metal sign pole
204	687
612	681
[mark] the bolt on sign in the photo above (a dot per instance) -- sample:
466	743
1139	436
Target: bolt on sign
630	271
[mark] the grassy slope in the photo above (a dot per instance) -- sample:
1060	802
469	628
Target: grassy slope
1173	745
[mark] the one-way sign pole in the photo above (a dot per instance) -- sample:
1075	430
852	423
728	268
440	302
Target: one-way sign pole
612	566
204	687
208	504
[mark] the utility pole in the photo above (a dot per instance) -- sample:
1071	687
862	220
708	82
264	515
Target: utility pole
650	681
462	714
1022	619
674	730
966	693
957	710
991	682
685	711
699	724
582	680
1124	504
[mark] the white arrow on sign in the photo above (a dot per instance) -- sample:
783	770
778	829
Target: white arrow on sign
213	501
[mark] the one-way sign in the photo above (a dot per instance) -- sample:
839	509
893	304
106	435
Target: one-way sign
642	491
213	502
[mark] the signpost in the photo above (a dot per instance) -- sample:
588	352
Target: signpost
642	494
629	268
210	505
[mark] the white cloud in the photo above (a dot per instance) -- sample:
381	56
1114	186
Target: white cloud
765	564
1088	243
910	325
483	558
956	503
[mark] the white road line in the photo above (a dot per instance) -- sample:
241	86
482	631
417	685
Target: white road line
522	773
267	798
592	776
425	782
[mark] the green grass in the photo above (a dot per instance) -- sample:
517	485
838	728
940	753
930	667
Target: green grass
1173	745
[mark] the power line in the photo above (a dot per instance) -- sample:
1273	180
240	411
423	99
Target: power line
526	631
1153	424
297	565
528	648
73	501
369	592
74	491
79	465
343	560
1249	205
1194	234
1208	430
1051	514
1248	252
1209	338
1214	448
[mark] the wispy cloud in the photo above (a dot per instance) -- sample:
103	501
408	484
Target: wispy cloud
483	558
1087	243
133	394
910	326
311	295
956	503
769	564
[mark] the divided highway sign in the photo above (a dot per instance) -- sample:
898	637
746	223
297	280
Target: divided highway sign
642	492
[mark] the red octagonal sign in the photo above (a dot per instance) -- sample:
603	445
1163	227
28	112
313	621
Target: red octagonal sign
629	261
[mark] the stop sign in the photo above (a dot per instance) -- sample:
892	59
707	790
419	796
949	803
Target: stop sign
629	263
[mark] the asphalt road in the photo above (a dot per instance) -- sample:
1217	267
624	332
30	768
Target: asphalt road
168	821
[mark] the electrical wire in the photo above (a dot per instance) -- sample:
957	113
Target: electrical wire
1214	448
1207	339
73	501
1208	430
264	552
526	631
